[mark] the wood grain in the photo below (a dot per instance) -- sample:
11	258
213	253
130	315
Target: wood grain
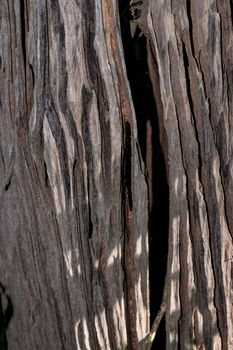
191	60
73	212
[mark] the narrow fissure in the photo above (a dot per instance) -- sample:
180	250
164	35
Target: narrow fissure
135	53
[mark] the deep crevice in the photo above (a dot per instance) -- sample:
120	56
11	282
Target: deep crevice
32	76
23	32
135	53
6	314
8	184
127	163
189	14
231	11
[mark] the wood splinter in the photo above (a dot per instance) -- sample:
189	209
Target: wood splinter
151	336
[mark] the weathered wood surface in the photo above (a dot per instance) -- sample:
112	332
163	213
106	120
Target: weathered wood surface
191	68
73	205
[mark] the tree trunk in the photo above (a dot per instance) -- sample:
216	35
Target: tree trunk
190	57
74	251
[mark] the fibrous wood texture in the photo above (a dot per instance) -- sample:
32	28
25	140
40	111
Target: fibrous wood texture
73	210
191	67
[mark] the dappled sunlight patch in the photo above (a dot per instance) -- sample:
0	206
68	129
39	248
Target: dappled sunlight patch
101	324
115	254
142	318
68	261
81	331
139	246
52	161
119	309
175	268
197	320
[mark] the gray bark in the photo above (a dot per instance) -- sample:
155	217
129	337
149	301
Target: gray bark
73	206
191	60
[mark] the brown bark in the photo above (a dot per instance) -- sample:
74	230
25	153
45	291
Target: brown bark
73	234
191	61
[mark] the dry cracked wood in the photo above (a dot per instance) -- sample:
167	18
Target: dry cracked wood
73	206
73	210
191	68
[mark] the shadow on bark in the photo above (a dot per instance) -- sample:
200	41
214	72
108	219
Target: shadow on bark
6	313
148	134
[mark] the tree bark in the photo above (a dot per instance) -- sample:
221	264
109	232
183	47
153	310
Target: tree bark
190	57
74	206
74	250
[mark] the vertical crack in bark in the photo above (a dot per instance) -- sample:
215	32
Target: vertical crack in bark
191	105
221	49
28	74
231	9
189	15
8	184
46	174
129	267
149	133
23	34
127	164
11	39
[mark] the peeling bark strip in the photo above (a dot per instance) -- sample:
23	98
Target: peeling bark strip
73	218
191	64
